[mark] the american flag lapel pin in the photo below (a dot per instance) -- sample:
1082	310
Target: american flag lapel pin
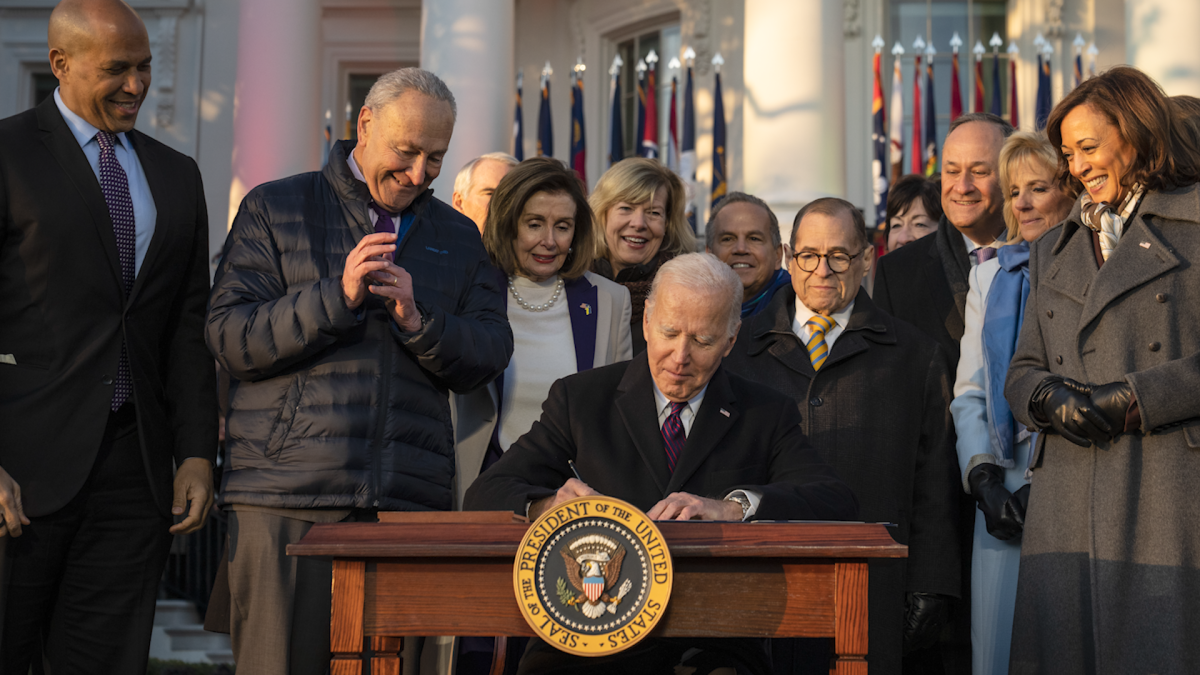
1144	244
724	412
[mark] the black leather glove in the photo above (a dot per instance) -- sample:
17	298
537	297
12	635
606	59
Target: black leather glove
1021	496
1112	400
1003	515
925	616
1066	406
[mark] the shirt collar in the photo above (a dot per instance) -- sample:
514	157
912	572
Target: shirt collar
81	129
996	243
354	167
841	317
661	400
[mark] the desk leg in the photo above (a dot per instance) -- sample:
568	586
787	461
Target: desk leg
385	655
850	618
346	620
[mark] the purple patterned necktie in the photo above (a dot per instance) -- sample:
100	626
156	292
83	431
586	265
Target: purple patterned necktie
673	436
983	254
115	185
384	224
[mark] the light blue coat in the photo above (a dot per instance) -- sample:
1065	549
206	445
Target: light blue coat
994	563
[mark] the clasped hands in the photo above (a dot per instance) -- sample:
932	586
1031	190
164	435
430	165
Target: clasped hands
368	271
1082	413
676	506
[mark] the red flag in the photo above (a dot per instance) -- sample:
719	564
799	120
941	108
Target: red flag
979	84
918	166
1012	93
955	92
650	133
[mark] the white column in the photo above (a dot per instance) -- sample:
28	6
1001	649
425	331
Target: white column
793	111
277	121
469	44
1160	39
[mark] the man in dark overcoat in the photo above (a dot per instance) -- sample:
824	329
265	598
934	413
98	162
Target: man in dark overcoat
873	394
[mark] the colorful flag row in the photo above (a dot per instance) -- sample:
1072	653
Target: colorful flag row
889	149
681	149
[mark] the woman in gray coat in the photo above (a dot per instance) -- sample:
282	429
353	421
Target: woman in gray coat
1107	367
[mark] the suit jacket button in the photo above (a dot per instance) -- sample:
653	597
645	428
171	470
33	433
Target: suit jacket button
1058	360
1161	297
815	401
1154	346
1050	313
106	380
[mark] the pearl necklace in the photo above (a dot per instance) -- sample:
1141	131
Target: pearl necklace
535	308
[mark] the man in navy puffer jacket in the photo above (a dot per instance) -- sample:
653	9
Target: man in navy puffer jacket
347	304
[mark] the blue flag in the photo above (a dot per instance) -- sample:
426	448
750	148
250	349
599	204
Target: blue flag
1042	110
996	95
616	137
719	186
519	126
545	141
578	146
687	147
879	136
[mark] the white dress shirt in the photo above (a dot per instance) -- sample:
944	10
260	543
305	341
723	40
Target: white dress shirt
145	214
803	331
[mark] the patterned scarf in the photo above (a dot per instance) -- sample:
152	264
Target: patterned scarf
1106	221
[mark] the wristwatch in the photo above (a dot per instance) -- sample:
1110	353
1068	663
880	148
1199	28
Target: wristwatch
742	501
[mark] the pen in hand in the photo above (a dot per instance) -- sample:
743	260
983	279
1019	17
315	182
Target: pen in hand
571	463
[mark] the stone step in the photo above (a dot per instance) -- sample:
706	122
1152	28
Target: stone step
175	613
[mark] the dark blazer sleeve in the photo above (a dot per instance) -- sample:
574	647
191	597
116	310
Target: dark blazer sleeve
256	328
801	487
190	378
534	467
933	549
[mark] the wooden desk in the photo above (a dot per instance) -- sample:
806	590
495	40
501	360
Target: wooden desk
450	576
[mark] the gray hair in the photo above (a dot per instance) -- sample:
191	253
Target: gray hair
703	274
391	86
710	232
1006	129
462	182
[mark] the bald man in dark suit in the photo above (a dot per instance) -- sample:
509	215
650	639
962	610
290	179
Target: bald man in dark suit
107	392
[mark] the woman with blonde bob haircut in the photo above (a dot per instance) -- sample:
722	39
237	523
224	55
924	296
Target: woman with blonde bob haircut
639	204
565	319
992	450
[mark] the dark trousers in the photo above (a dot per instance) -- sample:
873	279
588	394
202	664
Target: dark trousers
82	581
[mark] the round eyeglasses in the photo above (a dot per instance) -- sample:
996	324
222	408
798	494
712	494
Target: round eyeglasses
838	261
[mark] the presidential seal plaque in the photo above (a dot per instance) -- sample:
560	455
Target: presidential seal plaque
593	576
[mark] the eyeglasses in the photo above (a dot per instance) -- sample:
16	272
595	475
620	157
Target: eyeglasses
838	261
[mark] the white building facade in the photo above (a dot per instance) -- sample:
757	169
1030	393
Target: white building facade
244	86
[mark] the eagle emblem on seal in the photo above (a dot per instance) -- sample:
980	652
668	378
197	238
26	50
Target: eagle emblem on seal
593	565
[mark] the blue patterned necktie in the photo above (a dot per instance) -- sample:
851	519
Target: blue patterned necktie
115	186
673	436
